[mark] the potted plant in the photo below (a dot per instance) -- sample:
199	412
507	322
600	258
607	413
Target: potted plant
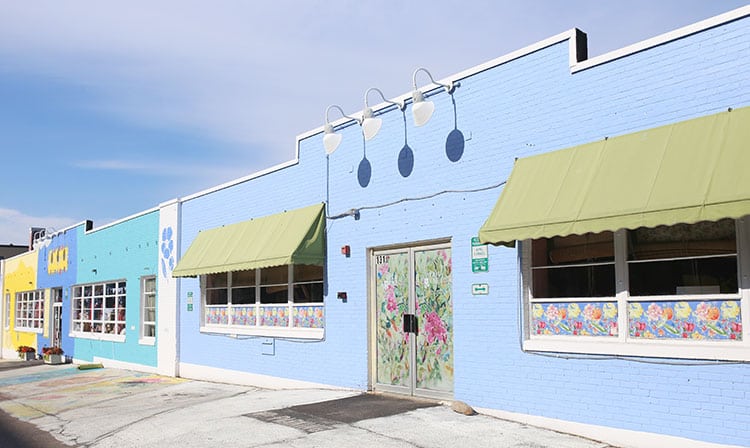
53	355
26	353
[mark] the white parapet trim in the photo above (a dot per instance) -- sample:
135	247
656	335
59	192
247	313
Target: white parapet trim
249	177
623	438
122	220
214	374
664	38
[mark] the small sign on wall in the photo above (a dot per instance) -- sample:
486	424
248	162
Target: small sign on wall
479	256
480	289
190	301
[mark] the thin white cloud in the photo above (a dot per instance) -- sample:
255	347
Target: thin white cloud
203	174
15	226
112	165
254	75
260	73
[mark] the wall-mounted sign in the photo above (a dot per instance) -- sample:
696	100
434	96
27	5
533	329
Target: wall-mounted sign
479	256
57	260
480	289
190	301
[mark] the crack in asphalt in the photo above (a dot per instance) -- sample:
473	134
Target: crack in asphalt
397	439
149	416
61	422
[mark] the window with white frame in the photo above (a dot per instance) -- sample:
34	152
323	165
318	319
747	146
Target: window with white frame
30	311
669	291
148	308
99	310
275	301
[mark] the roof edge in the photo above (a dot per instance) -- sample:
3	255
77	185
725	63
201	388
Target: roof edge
661	39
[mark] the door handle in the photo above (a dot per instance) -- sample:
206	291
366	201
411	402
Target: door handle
411	324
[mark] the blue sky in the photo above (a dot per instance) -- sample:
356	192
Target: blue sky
109	108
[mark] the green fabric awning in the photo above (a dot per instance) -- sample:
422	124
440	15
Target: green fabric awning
686	172
292	237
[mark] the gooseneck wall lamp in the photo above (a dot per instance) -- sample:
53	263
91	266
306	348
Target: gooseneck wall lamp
332	140
370	124
421	109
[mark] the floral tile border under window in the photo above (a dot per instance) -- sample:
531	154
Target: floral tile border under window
274	316
308	316
217	315
698	320
243	315
574	319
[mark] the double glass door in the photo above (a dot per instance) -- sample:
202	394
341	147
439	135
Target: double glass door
412	321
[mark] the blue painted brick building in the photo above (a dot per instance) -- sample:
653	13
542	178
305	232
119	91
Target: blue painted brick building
57	272
116	269
398	281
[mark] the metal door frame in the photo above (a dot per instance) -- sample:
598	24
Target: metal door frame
56	323
410	250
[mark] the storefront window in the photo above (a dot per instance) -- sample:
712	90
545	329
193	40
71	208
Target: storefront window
279	300
99	310
30	311
670	283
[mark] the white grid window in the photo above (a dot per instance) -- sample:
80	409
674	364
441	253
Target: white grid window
99	309
30	311
148	307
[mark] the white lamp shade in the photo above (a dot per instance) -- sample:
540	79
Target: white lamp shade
422	112
331	141
371	126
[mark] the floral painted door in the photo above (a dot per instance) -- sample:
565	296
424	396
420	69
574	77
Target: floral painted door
413	321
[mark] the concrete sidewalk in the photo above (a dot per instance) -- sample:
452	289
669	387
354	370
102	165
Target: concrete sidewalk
116	408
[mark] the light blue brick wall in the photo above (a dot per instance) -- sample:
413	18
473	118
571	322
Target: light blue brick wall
63	280
294	187
527	106
127	250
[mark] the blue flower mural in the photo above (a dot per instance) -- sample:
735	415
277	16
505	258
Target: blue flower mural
167	251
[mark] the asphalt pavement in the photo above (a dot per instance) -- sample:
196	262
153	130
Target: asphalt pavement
52	406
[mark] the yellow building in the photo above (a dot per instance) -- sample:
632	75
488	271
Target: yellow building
24	306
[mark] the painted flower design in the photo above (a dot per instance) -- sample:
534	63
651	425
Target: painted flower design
682	310
654	312
390	296
635	310
537	311
552	313
730	309
610	310
434	328
575	319
592	312
167	251
307	317
667	313
697	320
382	270
574	310
613	328
701	311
